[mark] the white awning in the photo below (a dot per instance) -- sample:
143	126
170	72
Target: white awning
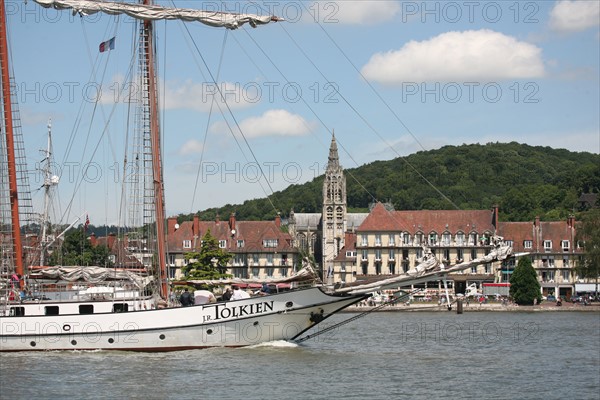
586	287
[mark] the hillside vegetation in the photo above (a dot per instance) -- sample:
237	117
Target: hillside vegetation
525	181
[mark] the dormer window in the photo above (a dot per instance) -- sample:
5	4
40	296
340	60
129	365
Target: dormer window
187	244
222	244
270	243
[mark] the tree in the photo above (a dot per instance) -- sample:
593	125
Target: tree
588	235
209	262
524	285
76	249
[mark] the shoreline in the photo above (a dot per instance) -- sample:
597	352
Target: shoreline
493	307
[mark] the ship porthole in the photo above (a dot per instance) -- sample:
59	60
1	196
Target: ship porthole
289	304
32	344
73	342
209	331
162	337
111	340
66	327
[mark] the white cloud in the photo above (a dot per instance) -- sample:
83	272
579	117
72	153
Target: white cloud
457	56
356	12
198	96
271	123
574	16
192	146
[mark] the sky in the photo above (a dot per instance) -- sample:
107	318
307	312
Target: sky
390	78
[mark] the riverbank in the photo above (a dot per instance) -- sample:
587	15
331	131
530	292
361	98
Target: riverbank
476	307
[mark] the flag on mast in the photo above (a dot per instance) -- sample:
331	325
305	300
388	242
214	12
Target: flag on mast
87	222
108	45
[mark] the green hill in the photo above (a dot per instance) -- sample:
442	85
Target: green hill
523	180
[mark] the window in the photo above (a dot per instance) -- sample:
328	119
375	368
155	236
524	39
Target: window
392	268
418	239
364	255
377	254
447	255
488	268
240	243
377	240
459	255
474	270
566	276
566	262
419	253
364	241
528	244
460	239
432	239
406	238
283	271
255	272
112	258
565	245
392	240
51	310
392	255
120	307
446	239
270	243
547	245
171	258
238	259
472	238
351	254
17	311
270	272
509	243
187	244
473	254
222	244
269	259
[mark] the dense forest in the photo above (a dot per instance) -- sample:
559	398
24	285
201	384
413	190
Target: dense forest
525	181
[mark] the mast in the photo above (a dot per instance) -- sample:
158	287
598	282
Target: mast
157	175
10	147
49	181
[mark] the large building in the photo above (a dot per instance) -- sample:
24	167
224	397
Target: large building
260	248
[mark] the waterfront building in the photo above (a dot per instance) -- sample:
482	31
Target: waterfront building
260	249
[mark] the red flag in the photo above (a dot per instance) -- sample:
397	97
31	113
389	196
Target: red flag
87	222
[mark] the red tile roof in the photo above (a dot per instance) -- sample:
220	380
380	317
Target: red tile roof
439	221
251	232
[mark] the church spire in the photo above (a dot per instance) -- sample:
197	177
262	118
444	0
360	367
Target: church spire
333	162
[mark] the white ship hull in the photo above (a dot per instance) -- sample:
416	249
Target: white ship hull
245	322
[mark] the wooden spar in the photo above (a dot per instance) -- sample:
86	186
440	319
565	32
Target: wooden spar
159	200
10	148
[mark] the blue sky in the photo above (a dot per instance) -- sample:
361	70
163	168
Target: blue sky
391	78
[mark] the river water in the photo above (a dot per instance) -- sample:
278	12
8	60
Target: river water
385	355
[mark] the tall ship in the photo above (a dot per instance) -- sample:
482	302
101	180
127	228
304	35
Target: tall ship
125	310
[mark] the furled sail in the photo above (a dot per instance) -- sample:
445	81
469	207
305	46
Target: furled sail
154	12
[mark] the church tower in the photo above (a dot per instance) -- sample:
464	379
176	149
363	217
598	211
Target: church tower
334	208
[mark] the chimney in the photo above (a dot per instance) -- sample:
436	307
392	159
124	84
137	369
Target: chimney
232	221
93	240
171	222
196	226
495	216
217	218
571	221
110	241
537	221
278	220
